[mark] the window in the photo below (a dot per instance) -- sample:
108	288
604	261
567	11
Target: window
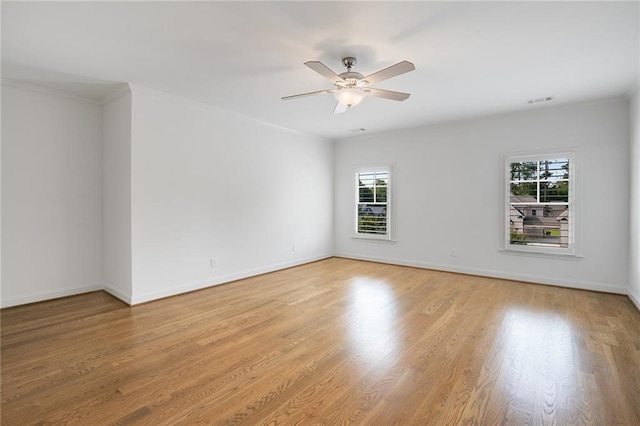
540	211
372	203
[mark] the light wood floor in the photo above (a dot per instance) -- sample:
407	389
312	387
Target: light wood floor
333	342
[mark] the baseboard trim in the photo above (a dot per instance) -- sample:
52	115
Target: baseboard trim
148	297
635	300
117	294
48	295
492	274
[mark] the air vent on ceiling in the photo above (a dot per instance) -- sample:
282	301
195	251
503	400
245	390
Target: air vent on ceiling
538	100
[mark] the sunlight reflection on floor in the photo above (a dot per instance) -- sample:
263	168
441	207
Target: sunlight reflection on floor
537	360
373	319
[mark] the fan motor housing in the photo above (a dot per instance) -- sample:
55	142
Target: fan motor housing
351	79
351	75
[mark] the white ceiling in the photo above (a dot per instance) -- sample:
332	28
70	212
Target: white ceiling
471	58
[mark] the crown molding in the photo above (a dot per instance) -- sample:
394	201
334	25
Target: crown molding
116	94
210	107
47	91
175	98
633	90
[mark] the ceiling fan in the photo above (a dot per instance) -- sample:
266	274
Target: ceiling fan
352	87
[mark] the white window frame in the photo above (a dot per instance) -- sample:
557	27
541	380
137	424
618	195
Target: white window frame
376	169
574	203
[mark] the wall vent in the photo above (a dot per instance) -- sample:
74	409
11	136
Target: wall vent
538	100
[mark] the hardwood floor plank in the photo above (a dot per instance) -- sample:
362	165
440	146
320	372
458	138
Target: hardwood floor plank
332	342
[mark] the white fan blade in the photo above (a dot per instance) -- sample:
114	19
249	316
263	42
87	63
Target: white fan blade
339	108
302	95
388	94
392	71
324	71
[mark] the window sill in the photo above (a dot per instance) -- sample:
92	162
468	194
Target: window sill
542	254
373	239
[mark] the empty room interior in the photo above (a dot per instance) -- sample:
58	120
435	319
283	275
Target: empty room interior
409	213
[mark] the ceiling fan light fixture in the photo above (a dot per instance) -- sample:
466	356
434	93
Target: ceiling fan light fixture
349	97
351	87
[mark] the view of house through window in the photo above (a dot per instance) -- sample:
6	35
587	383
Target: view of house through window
539	203
372	205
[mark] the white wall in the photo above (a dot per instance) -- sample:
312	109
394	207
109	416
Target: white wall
208	183
116	166
51	195
184	183
447	180
634	246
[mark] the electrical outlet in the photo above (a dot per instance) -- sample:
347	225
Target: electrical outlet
454	253
213	262
293	247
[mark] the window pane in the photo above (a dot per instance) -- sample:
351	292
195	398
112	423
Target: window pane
554	169
539	204
549	227
366	195
382	178
516	228
372	209
372	219
524	171
525	192
381	194
554	192
366	179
